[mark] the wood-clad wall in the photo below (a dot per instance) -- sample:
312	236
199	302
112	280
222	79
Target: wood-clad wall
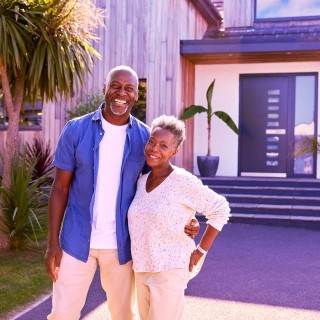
24	136
144	34
238	13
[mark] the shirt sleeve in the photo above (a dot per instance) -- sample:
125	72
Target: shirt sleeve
64	157
202	199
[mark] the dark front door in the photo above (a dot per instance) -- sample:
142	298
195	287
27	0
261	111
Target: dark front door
272	112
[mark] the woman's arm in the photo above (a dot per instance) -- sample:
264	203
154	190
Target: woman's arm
205	243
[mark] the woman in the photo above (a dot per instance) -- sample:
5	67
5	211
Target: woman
166	199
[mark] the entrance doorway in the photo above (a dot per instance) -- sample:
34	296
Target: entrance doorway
277	111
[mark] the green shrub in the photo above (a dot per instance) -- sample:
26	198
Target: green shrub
24	205
89	103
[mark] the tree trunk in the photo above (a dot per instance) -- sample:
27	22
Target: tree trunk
12	140
13	106
11	147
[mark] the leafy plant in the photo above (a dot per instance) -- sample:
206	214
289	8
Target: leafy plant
24	205
192	110
87	104
38	155
307	144
46	51
139	108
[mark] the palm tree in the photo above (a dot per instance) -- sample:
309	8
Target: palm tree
45	49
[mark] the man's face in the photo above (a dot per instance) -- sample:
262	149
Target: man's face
121	93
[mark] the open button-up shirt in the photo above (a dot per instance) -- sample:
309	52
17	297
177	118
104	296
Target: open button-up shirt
78	151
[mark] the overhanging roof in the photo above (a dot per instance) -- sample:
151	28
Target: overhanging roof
255	46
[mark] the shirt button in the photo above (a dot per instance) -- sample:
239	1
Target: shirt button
100	133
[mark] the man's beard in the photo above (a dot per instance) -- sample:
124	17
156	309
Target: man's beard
117	111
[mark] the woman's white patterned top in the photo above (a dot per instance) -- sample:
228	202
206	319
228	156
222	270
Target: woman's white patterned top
157	220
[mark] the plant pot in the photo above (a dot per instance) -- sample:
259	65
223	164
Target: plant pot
208	165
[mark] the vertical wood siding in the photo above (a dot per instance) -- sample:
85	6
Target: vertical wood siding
238	13
145	35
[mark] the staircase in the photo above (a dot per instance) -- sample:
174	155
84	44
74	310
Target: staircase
273	201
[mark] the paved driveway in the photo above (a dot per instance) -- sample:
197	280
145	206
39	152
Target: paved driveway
252	272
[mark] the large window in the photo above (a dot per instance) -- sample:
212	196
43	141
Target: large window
30	116
304	115
286	9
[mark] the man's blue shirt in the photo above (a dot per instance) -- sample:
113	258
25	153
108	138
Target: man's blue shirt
78	151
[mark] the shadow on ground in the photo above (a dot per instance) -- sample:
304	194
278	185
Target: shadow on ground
262	265
251	264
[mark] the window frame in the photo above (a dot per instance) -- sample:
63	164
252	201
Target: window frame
30	110
283	19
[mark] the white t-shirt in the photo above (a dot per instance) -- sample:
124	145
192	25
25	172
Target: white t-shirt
111	148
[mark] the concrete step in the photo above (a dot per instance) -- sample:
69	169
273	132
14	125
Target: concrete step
287	202
267	190
286	210
273	199
257	181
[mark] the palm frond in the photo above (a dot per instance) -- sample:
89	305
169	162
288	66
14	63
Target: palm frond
192	111
307	144
209	98
227	120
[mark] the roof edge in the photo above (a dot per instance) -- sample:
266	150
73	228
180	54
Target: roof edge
208	11
211	46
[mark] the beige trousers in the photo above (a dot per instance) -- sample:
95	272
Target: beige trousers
74	279
161	294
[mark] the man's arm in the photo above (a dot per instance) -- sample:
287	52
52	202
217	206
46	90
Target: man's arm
57	204
192	229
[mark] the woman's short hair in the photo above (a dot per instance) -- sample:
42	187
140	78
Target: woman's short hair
173	125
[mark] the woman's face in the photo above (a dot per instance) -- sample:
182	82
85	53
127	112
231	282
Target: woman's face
160	148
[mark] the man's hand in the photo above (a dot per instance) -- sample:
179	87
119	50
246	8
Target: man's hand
52	261
192	229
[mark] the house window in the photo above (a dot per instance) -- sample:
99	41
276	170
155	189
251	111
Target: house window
287	9
30	115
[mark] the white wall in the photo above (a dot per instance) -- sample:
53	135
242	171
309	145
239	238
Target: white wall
224	142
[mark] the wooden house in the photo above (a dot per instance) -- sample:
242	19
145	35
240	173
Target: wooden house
264	57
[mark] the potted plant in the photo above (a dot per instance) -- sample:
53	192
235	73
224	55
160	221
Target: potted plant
208	164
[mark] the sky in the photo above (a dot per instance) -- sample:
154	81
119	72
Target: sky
287	8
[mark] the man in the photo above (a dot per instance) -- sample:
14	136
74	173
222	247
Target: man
98	160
